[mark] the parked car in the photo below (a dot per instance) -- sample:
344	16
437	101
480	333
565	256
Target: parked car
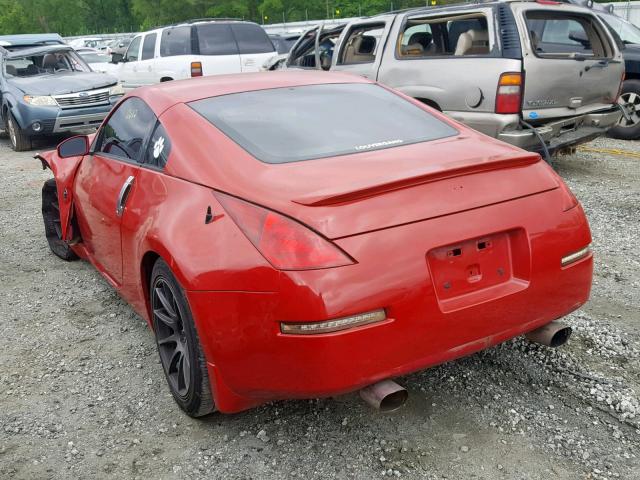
98	43
14	42
493	66
628	36
119	45
98	61
245	218
50	89
194	49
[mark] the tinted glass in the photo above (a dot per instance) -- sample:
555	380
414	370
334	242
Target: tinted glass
132	51
159	148
149	46
176	41
564	35
125	132
251	38
315	121
216	39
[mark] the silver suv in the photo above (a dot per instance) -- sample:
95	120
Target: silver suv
520	71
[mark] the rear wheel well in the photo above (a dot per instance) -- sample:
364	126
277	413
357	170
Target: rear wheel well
632	76
430	103
146	269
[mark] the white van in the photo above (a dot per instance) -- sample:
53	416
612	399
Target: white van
194	49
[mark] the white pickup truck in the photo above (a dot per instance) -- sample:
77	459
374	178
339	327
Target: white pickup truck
193	49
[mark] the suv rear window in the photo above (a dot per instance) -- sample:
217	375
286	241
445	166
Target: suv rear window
175	41
557	34
316	121
216	39
251	38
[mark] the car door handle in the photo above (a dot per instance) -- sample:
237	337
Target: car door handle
124	194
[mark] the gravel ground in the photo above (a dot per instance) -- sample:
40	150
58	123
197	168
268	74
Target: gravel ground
82	394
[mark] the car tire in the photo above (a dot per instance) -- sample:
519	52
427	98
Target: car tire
19	140
181	355
630	96
51	217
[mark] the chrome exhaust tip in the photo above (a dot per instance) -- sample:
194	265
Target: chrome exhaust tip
385	396
553	334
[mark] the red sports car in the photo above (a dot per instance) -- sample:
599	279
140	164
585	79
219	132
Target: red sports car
301	234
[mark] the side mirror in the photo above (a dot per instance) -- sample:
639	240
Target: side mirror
74	147
117	58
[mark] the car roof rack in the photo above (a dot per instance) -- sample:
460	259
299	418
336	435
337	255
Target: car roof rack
205	19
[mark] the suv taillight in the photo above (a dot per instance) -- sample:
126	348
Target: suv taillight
196	69
509	95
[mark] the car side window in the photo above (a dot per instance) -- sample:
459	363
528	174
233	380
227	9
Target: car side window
125	132
175	41
452	35
362	44
133	54
159	148
149	46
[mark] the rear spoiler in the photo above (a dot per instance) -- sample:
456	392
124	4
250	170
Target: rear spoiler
325	198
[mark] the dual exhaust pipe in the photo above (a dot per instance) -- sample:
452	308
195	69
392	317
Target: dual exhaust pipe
387	395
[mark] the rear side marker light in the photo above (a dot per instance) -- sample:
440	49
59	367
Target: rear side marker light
575	256
196	69
509	94
286	243
311	328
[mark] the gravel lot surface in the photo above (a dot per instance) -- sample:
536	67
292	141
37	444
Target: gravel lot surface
82	393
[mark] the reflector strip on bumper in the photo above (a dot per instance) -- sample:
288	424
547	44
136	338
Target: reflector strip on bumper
575	256
310	328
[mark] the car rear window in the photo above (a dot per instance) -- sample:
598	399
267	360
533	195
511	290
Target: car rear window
562	34
251	38
216	39
316	121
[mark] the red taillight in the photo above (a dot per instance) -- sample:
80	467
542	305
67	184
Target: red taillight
196	69
285	243
509	94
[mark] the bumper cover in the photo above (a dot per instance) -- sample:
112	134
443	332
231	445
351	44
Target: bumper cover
566	132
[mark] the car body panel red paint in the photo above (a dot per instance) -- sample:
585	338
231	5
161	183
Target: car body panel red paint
397	212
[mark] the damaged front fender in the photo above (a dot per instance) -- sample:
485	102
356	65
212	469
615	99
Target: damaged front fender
64	171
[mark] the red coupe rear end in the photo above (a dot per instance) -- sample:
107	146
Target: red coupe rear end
327	233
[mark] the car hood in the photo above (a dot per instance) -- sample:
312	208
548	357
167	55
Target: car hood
61	83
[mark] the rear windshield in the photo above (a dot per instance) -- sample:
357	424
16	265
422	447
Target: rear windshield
316	121
561	34
251	39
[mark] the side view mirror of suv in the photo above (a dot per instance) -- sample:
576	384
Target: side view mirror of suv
117	58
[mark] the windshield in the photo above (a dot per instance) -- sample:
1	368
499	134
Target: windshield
290	124
627	32
45	64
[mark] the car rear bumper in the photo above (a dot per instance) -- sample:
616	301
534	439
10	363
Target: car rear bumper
252	362
556	134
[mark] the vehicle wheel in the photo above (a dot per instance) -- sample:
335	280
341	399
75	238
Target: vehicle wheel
51	217
20	141
630	100
178	345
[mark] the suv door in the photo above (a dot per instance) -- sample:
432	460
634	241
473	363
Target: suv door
129	68
146	65
217	48
362	46
254	46
572	64
315	48
105	180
